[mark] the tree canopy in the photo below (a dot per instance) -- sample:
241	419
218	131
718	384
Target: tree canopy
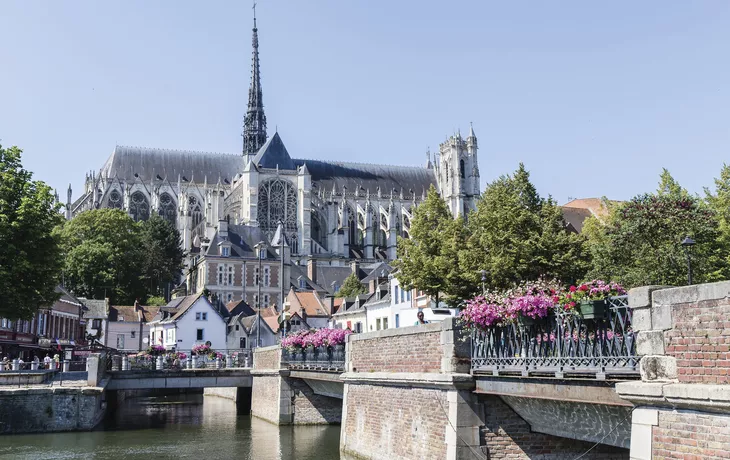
30	258
351	287
162	254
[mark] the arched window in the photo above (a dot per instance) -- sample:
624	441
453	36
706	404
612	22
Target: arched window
406	227
115	200
195	211
166	209
294	243
461	168
319	230
277	202
139	207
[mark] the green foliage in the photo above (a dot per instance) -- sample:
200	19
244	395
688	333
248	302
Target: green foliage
351	287
515	236
427	259
719	202
639	244
30	258
162	254
156	301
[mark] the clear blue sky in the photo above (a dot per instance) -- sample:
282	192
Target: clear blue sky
594	97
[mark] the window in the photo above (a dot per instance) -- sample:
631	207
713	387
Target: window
358	327
199	335
226	251
96	324
197	317
402	297
396	294
139	207
385	323
133	333
266	300
220	274
349	325
242	342
408	296
377	324
205	316
461	168
167	208
171	335
237	326
201	316
120	342
277	201
397	320
230	276
256	277
266	276
302	283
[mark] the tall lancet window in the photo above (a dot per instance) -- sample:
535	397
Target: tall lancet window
139	207
277	202
166	210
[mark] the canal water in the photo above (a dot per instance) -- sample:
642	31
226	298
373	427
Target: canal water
180	426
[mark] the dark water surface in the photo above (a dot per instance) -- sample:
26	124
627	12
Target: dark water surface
184	426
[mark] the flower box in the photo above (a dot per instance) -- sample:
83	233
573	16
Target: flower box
594	309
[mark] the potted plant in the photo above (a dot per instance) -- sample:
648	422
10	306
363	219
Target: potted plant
591	298
533	302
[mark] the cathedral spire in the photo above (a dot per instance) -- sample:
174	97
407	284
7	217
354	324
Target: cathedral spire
254	123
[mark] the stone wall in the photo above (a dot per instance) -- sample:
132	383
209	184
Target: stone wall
266	399
222	392
385	422
35	410
309	408
507	435
411	349
267	357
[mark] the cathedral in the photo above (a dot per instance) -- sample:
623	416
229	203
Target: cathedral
331	211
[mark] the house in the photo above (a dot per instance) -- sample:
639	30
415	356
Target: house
128	326
243	330
377	309
308	307
405	305
188	321
351	314
575	212
96	316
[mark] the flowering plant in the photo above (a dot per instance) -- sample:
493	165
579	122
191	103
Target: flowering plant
594	290
155	350
315	338
533	299
177	355
485	311
200	350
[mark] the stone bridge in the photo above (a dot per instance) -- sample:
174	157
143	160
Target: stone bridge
654	383
183	378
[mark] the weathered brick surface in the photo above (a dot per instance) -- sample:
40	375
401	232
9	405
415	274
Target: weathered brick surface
313	409
700	341
49	409
690	435
401	353
507	436
265	397
395	422
267	359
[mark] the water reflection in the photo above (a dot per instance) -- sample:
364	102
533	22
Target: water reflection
179	427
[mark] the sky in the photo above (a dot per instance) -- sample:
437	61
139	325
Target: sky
594	97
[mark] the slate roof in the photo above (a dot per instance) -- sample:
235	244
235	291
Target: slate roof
239	307
147	163
96	308
65	296
273	154
243	238
129	314
376	272
327	274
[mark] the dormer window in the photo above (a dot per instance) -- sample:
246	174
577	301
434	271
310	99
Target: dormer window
302	283
225	251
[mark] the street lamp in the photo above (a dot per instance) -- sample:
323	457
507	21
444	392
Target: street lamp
260	251
484	280
687	244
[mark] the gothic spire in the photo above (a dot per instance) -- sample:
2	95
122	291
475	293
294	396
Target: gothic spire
254	123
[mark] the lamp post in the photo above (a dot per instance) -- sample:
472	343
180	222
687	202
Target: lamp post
282	243
260	248
484	280
687	244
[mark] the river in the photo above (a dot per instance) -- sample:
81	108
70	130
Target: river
182	426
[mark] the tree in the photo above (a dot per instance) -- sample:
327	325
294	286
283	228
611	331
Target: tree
162	254
30	258
515	235
640	242
351	287
424	260
719	202
103	256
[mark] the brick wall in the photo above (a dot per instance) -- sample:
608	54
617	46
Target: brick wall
700	341
507	435
267	357
418	352
312	409
238	275
691	436
212	273
265	402
389	422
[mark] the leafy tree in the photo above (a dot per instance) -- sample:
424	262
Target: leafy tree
515	235
162	254
424	260
103	256
719	202
156	301
351	287
640	242
30	258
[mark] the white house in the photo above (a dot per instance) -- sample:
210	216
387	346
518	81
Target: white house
351	314
378	310
405	305
188	321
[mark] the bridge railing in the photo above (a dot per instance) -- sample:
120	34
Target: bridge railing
560	345
179	360
322	358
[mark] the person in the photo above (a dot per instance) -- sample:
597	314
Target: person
420	319
47	361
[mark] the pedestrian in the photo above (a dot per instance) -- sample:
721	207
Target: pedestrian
420	319
47	361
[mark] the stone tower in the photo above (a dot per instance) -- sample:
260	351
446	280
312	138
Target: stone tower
254	123
458	173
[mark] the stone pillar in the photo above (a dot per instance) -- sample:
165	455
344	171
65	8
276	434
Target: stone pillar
16	365
217	362
229	361
33	366
194	362
66	365
189	361
94	365
159	363
125	363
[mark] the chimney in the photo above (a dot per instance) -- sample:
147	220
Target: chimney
373	286
355	268
312	270
136	305
223	228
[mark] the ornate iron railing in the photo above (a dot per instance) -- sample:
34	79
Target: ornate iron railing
561	345
322	358
180	359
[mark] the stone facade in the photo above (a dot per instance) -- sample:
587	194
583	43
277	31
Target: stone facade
266	397
507	435
40	410
267	357
309	408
